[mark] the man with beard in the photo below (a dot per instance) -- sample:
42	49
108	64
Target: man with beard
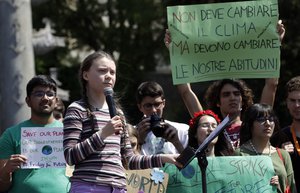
288	138
41	98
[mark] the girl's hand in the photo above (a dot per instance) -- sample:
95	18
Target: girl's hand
171	158
114	126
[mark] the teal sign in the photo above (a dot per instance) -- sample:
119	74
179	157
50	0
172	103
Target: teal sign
229	174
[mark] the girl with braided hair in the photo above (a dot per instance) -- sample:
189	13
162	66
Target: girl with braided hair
95	143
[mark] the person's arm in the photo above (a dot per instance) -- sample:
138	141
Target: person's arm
138	162
143	128
171	135
7	167
75	150
189	98
187	94
280	30
5	176
269	91
167	39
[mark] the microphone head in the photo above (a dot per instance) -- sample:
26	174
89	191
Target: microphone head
108	91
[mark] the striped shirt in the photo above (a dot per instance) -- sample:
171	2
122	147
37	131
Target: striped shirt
96	160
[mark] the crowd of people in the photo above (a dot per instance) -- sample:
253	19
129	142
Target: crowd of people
100	145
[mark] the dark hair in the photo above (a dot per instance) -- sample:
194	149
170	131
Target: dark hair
59	109
222	147
213	94
250	115
292	85
60	106
132	131
40	80
150	88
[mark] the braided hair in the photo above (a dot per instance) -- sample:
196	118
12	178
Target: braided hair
85	66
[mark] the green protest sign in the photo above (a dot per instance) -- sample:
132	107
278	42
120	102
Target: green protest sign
224	40
224	174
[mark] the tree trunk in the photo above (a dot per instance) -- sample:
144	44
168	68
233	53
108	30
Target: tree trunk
16	60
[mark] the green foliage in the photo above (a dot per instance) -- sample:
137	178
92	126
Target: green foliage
135	30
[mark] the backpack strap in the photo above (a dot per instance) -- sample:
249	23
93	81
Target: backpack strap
280	155
287	181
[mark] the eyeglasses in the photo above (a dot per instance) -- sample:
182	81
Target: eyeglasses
40	94
149	106
264	119
207	125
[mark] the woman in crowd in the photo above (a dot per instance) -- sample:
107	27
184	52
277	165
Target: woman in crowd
258	125
201	125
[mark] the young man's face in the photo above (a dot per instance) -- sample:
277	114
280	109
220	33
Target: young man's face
152	105
230	100
293	104
42	101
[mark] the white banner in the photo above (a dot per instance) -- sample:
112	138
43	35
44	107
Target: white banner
43	147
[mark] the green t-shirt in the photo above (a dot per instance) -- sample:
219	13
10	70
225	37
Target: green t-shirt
45	180
283	171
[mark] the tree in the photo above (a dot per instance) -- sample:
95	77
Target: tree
133	31
128	29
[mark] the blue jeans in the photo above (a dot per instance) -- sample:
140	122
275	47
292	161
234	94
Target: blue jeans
86	187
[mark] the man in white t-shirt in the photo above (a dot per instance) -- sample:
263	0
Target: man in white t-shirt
156	135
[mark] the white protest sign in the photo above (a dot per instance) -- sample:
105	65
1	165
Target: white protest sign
43	147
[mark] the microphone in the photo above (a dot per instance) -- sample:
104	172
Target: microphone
108	92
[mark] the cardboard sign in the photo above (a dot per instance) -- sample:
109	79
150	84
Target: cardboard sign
43	147
146	181
224	40
224	174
